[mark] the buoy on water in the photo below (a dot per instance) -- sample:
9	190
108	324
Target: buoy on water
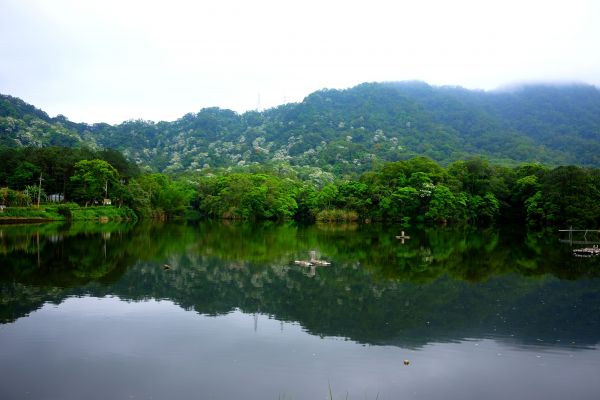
402	237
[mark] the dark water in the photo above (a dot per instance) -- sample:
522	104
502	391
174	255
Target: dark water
90	312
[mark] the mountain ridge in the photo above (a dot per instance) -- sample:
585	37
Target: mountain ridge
345	131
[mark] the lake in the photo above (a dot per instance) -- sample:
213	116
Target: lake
221	311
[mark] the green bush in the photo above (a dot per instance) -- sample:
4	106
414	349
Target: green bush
65	211
337	215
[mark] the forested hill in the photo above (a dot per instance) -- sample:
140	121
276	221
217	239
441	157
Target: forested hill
345	130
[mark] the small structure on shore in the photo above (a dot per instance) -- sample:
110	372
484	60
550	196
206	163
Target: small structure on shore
56	197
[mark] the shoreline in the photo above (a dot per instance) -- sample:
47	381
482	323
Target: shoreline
24	215
26	220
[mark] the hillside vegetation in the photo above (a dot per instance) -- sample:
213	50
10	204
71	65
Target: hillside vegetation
344	132
417	190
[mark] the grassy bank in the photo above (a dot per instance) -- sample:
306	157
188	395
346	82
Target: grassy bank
337	215
67	212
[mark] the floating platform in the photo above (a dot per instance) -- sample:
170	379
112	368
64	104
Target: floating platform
314	261
303	263
318	263
587	251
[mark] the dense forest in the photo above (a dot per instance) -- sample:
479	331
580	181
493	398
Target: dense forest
87	177
417	190
344	132
404	152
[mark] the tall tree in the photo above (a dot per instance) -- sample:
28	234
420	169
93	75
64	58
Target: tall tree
93	180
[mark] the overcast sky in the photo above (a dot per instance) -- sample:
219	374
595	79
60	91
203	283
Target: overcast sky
108	61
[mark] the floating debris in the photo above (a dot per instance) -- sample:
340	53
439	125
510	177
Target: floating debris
406	362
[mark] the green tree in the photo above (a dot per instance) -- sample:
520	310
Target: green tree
326	197
93	180
25	174
445	206
569	196
483	209
165	197
406	202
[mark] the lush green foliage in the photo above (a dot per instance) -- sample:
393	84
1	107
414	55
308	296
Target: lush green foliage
160	196
69	212
86	177
91	180
416	190
244	196
22	166
32	213
344	132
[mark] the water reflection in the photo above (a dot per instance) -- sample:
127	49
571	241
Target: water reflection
90	311
440	286
99	348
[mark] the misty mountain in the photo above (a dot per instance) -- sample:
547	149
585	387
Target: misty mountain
344	131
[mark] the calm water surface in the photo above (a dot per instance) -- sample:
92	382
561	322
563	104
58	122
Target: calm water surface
91	311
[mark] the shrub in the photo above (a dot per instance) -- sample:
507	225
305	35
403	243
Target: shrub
65	211
337	215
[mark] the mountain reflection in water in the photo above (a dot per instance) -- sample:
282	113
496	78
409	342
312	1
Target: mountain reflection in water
442	285
218	310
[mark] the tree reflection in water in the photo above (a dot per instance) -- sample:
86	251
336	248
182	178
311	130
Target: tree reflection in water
441	285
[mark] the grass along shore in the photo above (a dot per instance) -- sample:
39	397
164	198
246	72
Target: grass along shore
65	212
